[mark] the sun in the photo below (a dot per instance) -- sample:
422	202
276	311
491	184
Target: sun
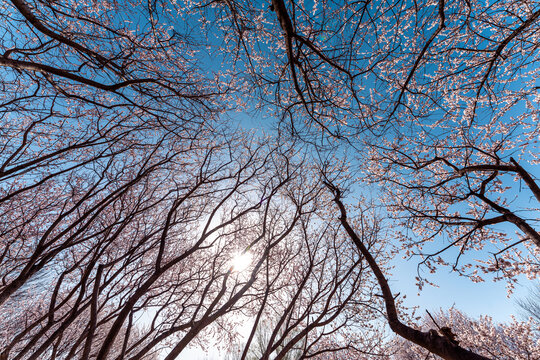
241	261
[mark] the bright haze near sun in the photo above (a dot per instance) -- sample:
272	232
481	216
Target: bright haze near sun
241	261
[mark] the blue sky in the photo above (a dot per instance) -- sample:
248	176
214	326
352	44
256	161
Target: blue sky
474	299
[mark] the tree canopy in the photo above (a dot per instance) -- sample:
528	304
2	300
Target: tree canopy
132	181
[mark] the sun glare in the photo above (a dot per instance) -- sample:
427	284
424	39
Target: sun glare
241	261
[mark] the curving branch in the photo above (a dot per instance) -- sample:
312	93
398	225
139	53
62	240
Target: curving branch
25	10
431	340
32	66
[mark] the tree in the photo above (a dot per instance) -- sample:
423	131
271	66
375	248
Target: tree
314	296
530	305
515	340
435	343
154	262
90	107
125	191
